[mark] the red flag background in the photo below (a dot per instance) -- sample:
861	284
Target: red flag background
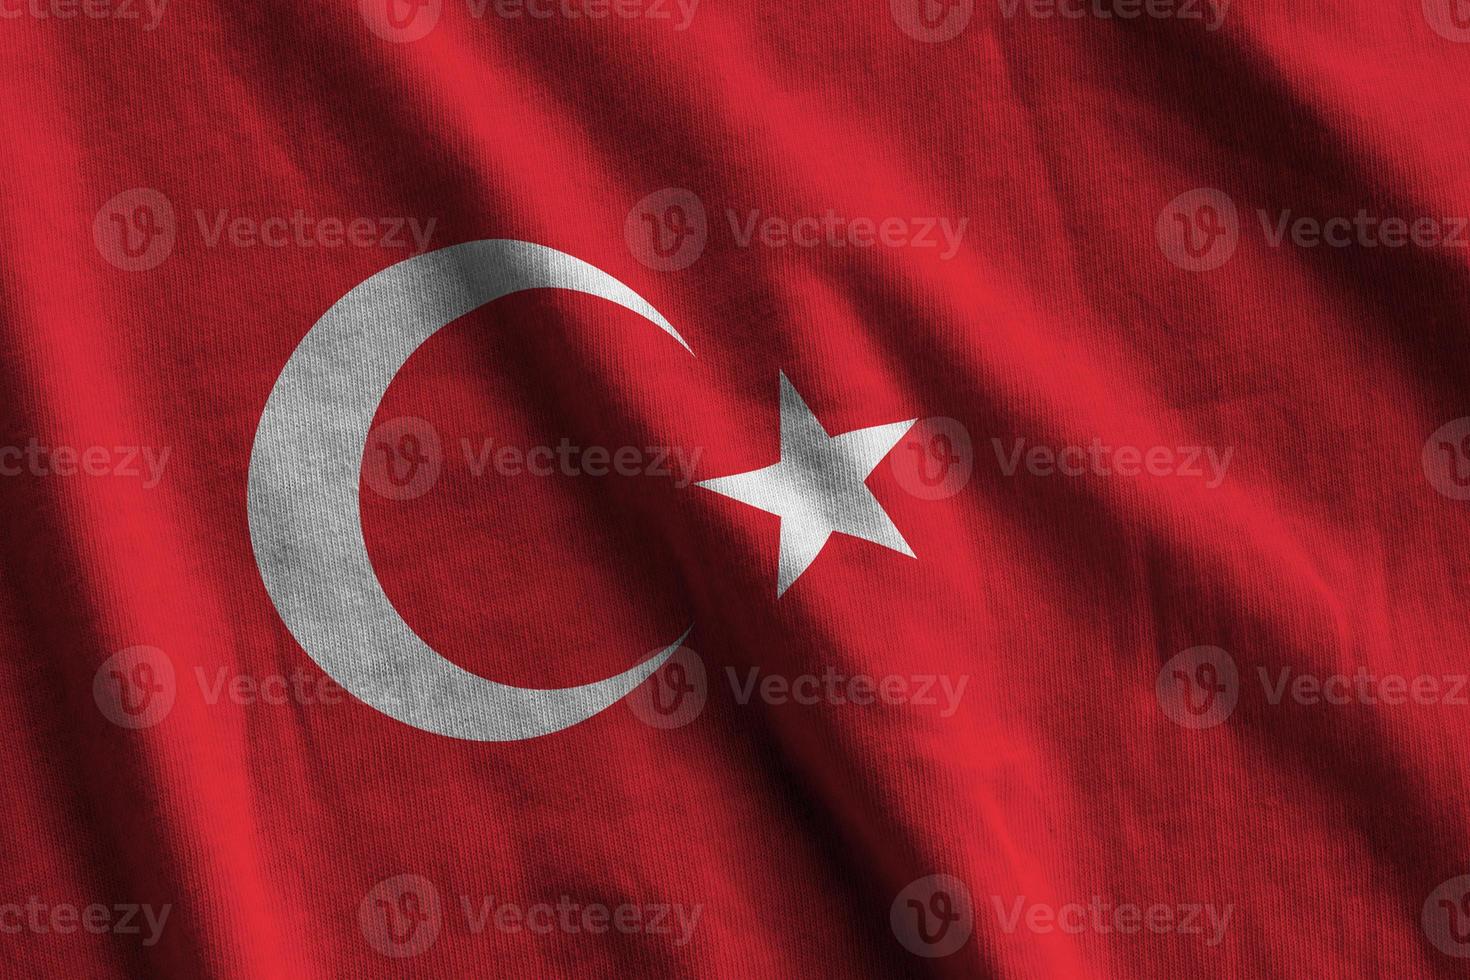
1175	684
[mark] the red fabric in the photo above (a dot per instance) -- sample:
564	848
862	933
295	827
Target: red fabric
1062	317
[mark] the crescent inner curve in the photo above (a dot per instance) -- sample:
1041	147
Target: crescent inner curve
305	522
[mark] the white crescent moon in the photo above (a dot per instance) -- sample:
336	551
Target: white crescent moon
305	525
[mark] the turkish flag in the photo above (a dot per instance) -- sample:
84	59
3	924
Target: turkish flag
663	488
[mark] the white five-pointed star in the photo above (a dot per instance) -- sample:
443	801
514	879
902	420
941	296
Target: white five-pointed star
818	487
